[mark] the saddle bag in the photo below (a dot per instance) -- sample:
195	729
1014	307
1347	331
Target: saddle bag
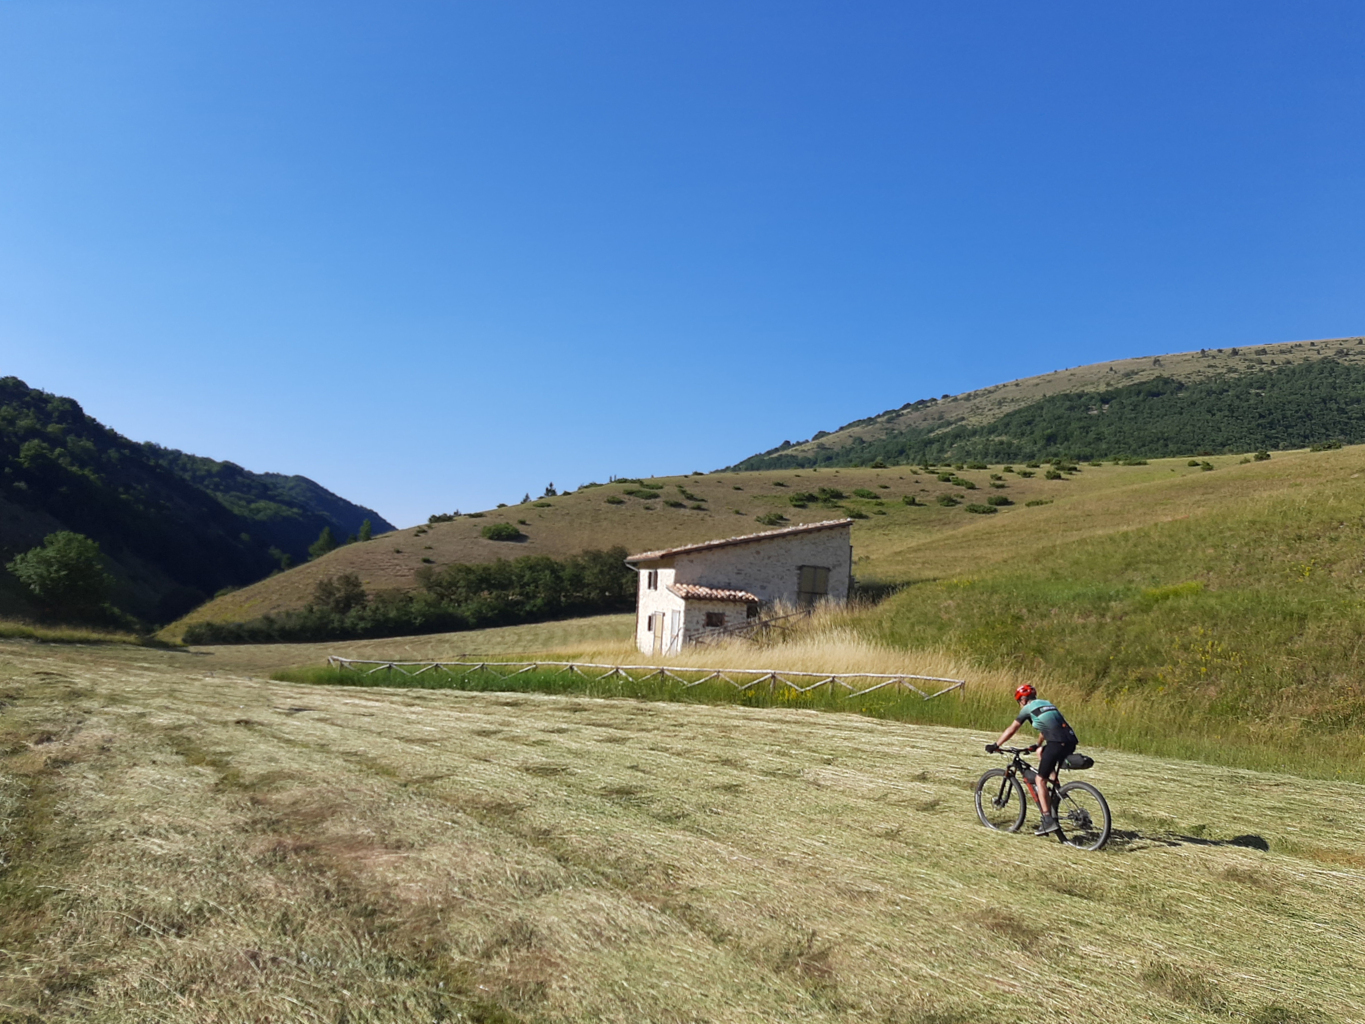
1078	762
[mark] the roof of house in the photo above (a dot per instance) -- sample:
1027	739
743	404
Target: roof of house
748	538
691	591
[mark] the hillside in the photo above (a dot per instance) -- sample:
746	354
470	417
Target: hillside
187	847
175	528
1291	395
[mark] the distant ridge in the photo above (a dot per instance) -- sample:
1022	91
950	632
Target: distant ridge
176	528
1294	394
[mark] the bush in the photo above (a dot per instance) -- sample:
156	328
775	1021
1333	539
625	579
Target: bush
878	464
439	517
65	574
501	531
1261	456
1033	465
982	510
910	499
1026	473
802	498
948	501
1037	501
1007	469
326	542
856	513
998	500
863	492
1052	474
671	503
976	465
771	518
945	478
615	499
1206	467
1193	463
830	494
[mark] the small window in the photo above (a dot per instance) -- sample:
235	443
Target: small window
649	623
652	579
812	584
714	619
751	611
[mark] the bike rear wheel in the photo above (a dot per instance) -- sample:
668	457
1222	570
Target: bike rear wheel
1000	801
1083	816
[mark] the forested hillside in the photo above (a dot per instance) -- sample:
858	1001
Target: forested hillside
175	528
1191	404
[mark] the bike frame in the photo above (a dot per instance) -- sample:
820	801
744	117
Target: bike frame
1018	766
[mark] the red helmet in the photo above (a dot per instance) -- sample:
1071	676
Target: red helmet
1025	692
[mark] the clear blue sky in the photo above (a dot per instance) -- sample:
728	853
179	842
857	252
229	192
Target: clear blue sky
437	254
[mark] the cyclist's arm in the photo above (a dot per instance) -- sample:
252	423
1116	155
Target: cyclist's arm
1005	736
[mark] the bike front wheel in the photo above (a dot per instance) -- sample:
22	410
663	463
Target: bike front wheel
1083	816
1000	801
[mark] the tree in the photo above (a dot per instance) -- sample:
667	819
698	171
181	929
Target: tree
326	542
366	529
339	594
66	574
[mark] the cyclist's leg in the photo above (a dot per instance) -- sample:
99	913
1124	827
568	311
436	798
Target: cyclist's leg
1048	760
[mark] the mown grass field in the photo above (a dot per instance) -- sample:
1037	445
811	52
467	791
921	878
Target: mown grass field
188	842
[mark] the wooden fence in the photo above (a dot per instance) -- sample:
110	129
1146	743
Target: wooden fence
856	683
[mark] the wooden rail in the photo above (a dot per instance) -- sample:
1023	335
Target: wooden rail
856	683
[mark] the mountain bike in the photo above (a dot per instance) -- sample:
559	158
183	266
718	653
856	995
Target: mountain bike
1081	810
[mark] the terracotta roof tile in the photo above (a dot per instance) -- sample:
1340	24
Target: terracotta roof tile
696	592
747	538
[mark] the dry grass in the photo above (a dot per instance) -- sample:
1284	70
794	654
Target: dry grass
186	847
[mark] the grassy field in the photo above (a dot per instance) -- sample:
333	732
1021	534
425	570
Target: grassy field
895	542
185	842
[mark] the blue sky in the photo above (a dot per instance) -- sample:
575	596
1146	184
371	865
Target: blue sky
437	254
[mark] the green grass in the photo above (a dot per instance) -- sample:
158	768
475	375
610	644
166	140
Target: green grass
1134	725
68	634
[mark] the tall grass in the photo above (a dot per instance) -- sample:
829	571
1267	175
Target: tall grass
10	630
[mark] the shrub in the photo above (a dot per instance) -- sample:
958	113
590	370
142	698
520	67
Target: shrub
802	498
948	501
1193	462
982	510
1324	446
1007	469
1033	465
674	504
439	517
1052	474
65	574
1026	473
966	485
830	494
537	504
856	513
878	464
1261	456
998	485
998	500
641	492
474	515
778	483
996	476
520	522
863	492
976	465
1130	462
771	518
959	465
614	499
909	499
945	478
501	531
698	506
366	530
1037	501
884	487
1206	467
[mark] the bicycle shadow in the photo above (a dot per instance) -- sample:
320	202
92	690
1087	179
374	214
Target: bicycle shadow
1127	839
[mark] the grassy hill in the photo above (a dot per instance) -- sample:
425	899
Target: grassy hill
186	846
175	528
1290	395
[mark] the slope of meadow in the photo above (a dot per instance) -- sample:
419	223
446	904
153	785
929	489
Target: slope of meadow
188	845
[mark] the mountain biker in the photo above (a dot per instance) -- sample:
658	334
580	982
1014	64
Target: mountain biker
1058	741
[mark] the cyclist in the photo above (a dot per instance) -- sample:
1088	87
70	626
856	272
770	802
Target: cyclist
1057	742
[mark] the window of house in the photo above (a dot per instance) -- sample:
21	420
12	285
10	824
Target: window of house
813	584
649	623
751	611
652	579
715	619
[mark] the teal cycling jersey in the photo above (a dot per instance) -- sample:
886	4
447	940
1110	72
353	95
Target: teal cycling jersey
1044	716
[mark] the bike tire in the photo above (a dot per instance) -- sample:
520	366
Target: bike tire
1000	801
1083	815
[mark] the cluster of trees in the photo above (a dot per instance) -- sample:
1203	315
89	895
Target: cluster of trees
173	528
528	589
1284	407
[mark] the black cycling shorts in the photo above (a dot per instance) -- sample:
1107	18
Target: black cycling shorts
1053	754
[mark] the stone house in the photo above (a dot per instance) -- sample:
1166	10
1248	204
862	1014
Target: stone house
720	584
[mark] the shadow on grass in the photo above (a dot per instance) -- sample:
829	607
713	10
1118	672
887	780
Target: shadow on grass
1126	838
